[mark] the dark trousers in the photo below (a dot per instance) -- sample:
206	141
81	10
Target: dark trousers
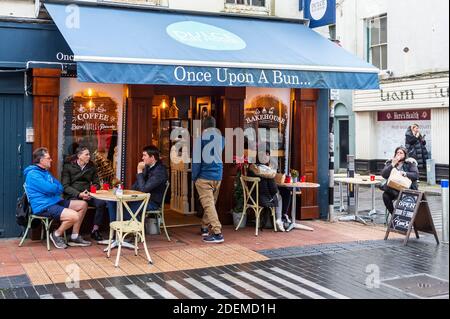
388	199
100	206
286	196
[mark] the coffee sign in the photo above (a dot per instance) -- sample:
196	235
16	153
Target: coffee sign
94	114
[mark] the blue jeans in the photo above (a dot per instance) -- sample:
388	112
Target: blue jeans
112	209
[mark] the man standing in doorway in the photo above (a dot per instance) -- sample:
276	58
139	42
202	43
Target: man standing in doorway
207	175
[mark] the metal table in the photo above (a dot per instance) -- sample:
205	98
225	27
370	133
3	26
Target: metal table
294	186
108	195
357	182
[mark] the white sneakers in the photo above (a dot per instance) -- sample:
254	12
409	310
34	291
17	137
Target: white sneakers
280	226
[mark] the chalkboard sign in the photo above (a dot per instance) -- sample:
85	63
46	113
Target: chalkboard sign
411	213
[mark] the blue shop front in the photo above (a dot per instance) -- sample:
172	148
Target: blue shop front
153	70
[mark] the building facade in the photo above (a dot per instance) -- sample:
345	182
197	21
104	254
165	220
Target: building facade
408	41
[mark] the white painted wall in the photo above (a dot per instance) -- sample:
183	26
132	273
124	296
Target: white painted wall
422	26
18	8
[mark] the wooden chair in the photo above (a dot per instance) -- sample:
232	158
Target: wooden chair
159	213
45	221
250	185
133	226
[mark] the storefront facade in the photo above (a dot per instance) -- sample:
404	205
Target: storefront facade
383	116
118	104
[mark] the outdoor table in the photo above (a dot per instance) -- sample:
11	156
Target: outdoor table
357	181
109	196
294	186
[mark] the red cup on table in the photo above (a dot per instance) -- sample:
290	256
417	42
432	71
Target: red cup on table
105	186
372	178
303	179
93	189
287	180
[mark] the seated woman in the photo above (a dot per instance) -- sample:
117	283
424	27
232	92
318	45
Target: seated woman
408	168
269	195
78	174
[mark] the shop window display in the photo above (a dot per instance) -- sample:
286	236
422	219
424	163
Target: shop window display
91	119
266	112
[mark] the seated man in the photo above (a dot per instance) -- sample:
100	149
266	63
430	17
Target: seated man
151	178
44	193
78	174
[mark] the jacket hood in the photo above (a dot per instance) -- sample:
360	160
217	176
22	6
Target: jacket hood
409	131
411	160
263	171
32	168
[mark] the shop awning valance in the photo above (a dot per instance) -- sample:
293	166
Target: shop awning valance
132	46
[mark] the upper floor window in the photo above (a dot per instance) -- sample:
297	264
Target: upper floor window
261	7
256	3
377	42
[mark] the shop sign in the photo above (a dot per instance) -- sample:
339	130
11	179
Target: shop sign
410	115
229	77
265	115
96	114
320	12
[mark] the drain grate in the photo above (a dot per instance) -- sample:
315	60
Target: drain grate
422	286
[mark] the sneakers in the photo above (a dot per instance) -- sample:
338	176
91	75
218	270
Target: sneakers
95	235
290	227
280	226
58	241
214	239
204	232
79	241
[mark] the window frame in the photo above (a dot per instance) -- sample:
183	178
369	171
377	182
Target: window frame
247	8
379	44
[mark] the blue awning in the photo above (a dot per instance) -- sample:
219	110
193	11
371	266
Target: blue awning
131	46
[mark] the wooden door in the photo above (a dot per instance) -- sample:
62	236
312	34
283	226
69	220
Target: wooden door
138	129
304	153
45	112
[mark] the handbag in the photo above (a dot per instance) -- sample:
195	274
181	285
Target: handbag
398	181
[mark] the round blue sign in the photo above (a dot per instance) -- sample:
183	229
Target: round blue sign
205	36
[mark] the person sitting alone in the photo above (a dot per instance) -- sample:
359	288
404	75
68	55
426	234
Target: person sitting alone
44	193
407	167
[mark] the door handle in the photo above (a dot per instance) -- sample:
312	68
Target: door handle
19	153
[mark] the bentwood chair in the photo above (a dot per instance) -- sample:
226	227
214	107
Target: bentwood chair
250	185
133	226
46	224
159	213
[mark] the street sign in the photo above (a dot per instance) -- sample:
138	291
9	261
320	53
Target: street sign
320	12
411	212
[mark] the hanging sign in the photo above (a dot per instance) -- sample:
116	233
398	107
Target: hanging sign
320	12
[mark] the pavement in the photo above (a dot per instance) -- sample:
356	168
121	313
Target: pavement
338	260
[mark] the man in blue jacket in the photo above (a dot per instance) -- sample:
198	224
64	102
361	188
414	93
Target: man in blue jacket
207	170
44	193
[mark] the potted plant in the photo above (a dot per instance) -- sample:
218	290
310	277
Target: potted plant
238	194
295	175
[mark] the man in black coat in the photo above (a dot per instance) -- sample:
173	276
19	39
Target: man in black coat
151	177
78	174
416	145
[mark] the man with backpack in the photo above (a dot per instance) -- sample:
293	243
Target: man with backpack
44	193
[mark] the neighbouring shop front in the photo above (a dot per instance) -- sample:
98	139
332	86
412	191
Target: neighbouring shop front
386	115
122	100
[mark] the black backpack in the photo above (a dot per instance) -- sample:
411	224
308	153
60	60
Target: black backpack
23	210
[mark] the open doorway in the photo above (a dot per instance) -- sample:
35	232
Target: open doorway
344	142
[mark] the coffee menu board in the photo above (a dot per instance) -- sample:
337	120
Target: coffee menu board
411	213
